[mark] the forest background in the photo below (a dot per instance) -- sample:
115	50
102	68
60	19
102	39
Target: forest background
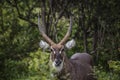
96	30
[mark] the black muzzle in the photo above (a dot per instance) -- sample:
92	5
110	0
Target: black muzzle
57	62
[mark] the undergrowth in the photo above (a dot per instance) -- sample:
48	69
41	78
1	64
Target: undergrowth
36	67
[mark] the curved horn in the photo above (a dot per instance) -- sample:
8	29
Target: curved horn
67	34
43	33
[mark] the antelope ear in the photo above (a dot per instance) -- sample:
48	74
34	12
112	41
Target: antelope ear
44	45
70	44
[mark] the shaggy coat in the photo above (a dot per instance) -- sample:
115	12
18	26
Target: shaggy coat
78	67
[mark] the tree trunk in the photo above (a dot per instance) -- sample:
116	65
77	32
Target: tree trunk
85	40
43	12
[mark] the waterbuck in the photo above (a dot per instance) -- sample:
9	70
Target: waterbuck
78	67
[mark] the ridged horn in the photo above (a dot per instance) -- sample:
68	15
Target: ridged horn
62	42
50	42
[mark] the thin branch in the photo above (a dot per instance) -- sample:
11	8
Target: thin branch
16	6
57	19
8	1
28	20
19	14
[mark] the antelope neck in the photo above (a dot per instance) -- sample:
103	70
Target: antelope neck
65	72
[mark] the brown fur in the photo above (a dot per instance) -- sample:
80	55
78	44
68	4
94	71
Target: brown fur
78	67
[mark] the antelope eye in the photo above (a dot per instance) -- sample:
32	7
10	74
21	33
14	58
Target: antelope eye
51	50
61	50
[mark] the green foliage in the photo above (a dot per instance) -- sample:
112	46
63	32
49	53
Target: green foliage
115	66
103	75
34	67
98	21
38	62
14	69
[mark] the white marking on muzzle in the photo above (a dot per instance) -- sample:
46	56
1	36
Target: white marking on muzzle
58	68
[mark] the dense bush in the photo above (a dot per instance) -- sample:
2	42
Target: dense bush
96	29
15	69
114	66
36	67
101	74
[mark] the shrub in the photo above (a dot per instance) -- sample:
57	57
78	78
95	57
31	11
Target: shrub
104	75
36	67
115	66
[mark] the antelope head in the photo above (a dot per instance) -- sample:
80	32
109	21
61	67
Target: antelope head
57	55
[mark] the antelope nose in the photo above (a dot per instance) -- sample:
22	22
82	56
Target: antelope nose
57	62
